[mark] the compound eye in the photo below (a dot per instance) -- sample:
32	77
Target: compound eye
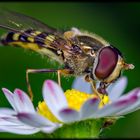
107	61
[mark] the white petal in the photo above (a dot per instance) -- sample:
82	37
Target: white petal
89	107
6	112
34	120
50	129
129	109
117	88
117	106
9	95
54	97
134	92
23	102
69	115
20	130
2	130
10	120
132	110
80	84
133	106
13	125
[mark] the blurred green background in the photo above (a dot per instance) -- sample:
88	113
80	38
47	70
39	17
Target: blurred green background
118	23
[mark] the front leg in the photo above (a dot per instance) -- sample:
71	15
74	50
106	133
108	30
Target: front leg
102	88
93	85
101	91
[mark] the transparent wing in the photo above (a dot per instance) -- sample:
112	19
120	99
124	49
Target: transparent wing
16	21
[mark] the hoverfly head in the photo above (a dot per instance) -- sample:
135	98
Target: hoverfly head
109	64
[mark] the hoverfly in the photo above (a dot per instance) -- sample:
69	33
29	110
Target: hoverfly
80	52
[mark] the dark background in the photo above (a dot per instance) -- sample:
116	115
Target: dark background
118	23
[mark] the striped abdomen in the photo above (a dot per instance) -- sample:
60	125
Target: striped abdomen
28	36
40	42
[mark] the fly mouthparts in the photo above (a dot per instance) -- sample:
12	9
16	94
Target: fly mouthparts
128	66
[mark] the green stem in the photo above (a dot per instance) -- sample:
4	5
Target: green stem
81	129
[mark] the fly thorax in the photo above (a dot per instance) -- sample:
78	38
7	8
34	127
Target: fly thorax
76	62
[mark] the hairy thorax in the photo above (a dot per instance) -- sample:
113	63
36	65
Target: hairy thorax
77	63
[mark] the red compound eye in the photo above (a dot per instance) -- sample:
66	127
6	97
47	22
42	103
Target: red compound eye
107	61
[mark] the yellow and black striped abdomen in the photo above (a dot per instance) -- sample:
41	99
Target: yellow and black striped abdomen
29	39
33	40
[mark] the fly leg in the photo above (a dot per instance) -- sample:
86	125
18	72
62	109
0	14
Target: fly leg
64	72
102	88
59	72
95	91
93	85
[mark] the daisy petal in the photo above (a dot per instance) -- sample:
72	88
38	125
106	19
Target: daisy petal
89	107
2	130
19	130
50	129
133	106
132	110
10	121
6	112
54	97
117	106
118	86
134	92
9	95
23	102
13	125
34	120
69	115
129	109
80	84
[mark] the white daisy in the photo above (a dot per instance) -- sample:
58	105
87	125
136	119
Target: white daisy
22	104
79	111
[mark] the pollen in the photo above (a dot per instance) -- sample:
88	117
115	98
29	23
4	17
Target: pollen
104	100
75	101
76	98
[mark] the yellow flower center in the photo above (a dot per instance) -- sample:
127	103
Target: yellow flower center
45	111
75	101
76	98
